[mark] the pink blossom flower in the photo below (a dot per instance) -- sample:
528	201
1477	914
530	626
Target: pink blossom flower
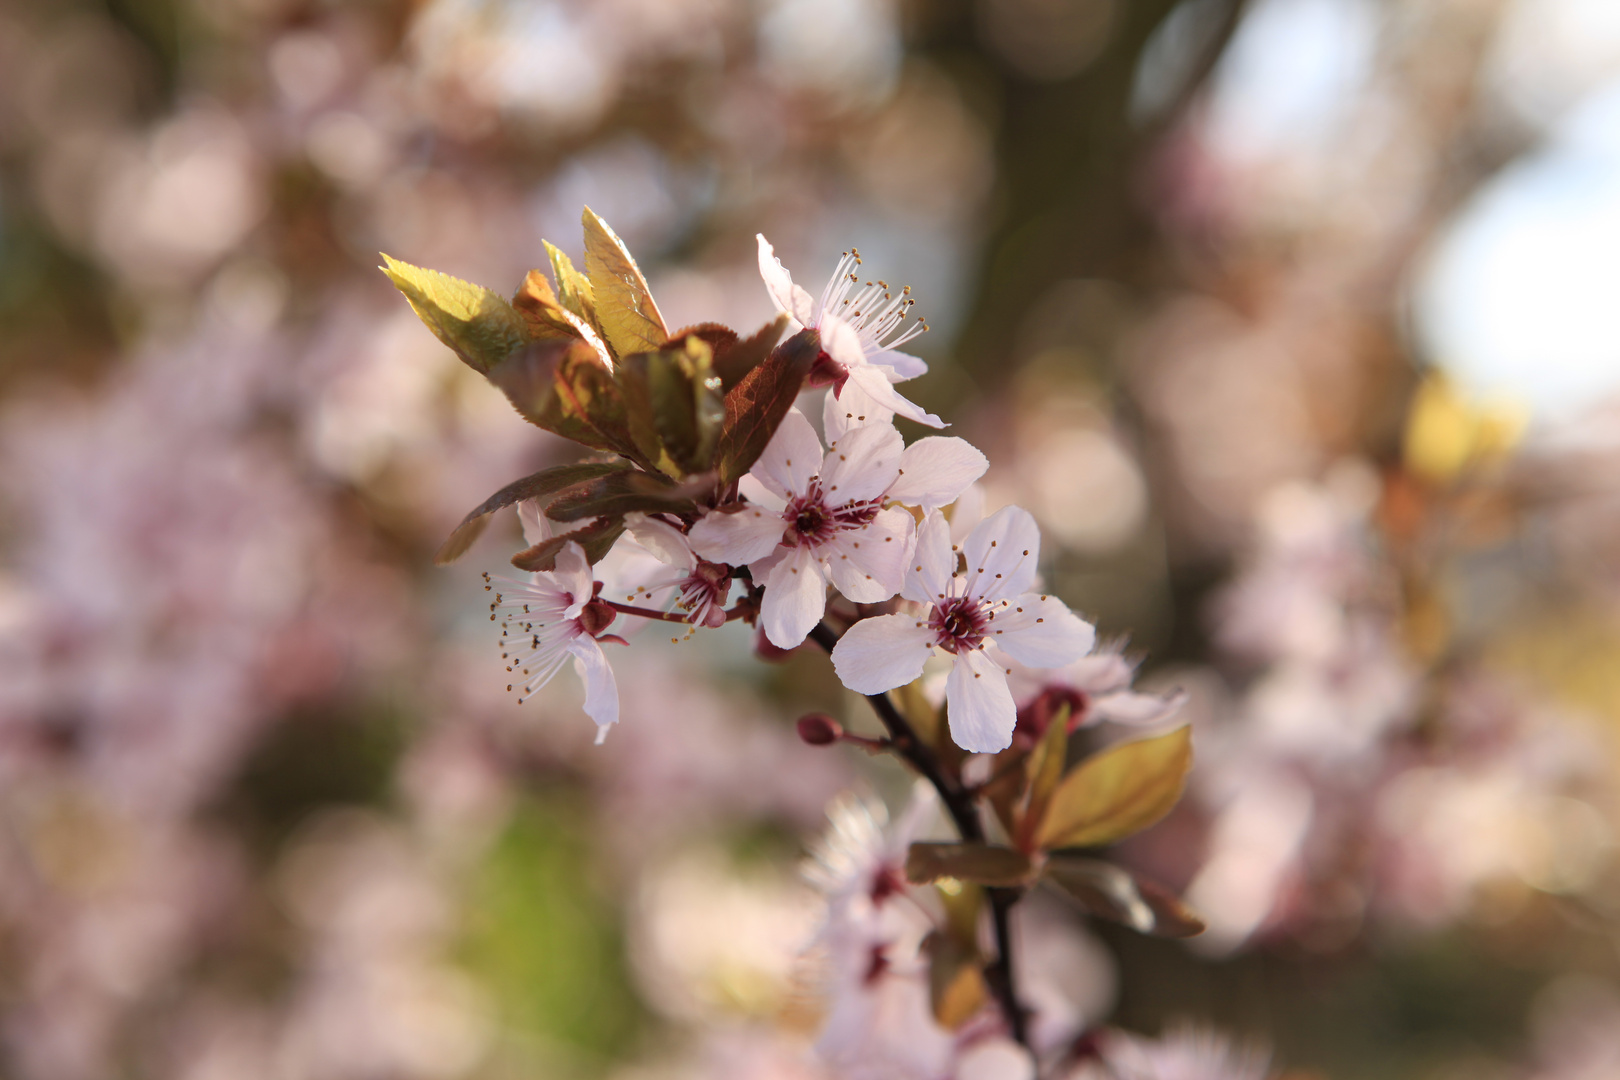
977	617
551	618
832	526
861	328
701	587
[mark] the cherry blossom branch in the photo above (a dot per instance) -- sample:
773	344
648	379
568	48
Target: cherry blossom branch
959	803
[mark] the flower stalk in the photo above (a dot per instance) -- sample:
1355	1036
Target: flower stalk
964	812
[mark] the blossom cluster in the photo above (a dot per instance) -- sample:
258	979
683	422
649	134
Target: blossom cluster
739	500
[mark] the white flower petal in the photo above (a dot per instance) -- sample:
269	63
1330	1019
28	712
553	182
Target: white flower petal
862	465
1137	709
791	458
1001	554
876	385
932	563
664	540
967	512
536	526
882	653
842	342
981	708
795	599
573	576
869	565
736	539
901	366
850	408
935	471
785	295
1040	631
601	691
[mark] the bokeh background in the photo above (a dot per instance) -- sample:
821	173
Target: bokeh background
1295	322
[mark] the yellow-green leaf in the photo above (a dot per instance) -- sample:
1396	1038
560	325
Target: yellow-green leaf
624	307
573	287
479	325
956	988
1118	792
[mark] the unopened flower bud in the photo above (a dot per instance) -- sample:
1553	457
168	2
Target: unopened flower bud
819	729
766	650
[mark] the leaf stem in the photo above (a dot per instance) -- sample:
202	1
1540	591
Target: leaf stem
959	803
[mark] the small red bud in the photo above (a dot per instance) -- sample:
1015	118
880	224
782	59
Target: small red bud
766	651
819	729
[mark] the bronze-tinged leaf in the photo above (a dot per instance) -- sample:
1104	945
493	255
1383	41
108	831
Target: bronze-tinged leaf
624	307
735	360
623	492
573	287
1044	770
596	538
547	318
538	305
1118	792
534	486
980	864
564	387
1113	893
756	405
956	987
717	336
478	325
675	407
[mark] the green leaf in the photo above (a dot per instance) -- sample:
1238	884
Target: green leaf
573	287
596	538
756	405
1113	893
1118	792
624	307
534	486
981	864
956	987
564	387
622	492
477	324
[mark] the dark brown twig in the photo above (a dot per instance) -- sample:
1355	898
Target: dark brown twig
959	803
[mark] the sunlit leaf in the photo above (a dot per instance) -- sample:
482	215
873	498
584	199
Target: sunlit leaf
956	988
624	307
596	538
563	387
573	287
1118	792
756	405
1112	893
981	864
534	486
477	324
